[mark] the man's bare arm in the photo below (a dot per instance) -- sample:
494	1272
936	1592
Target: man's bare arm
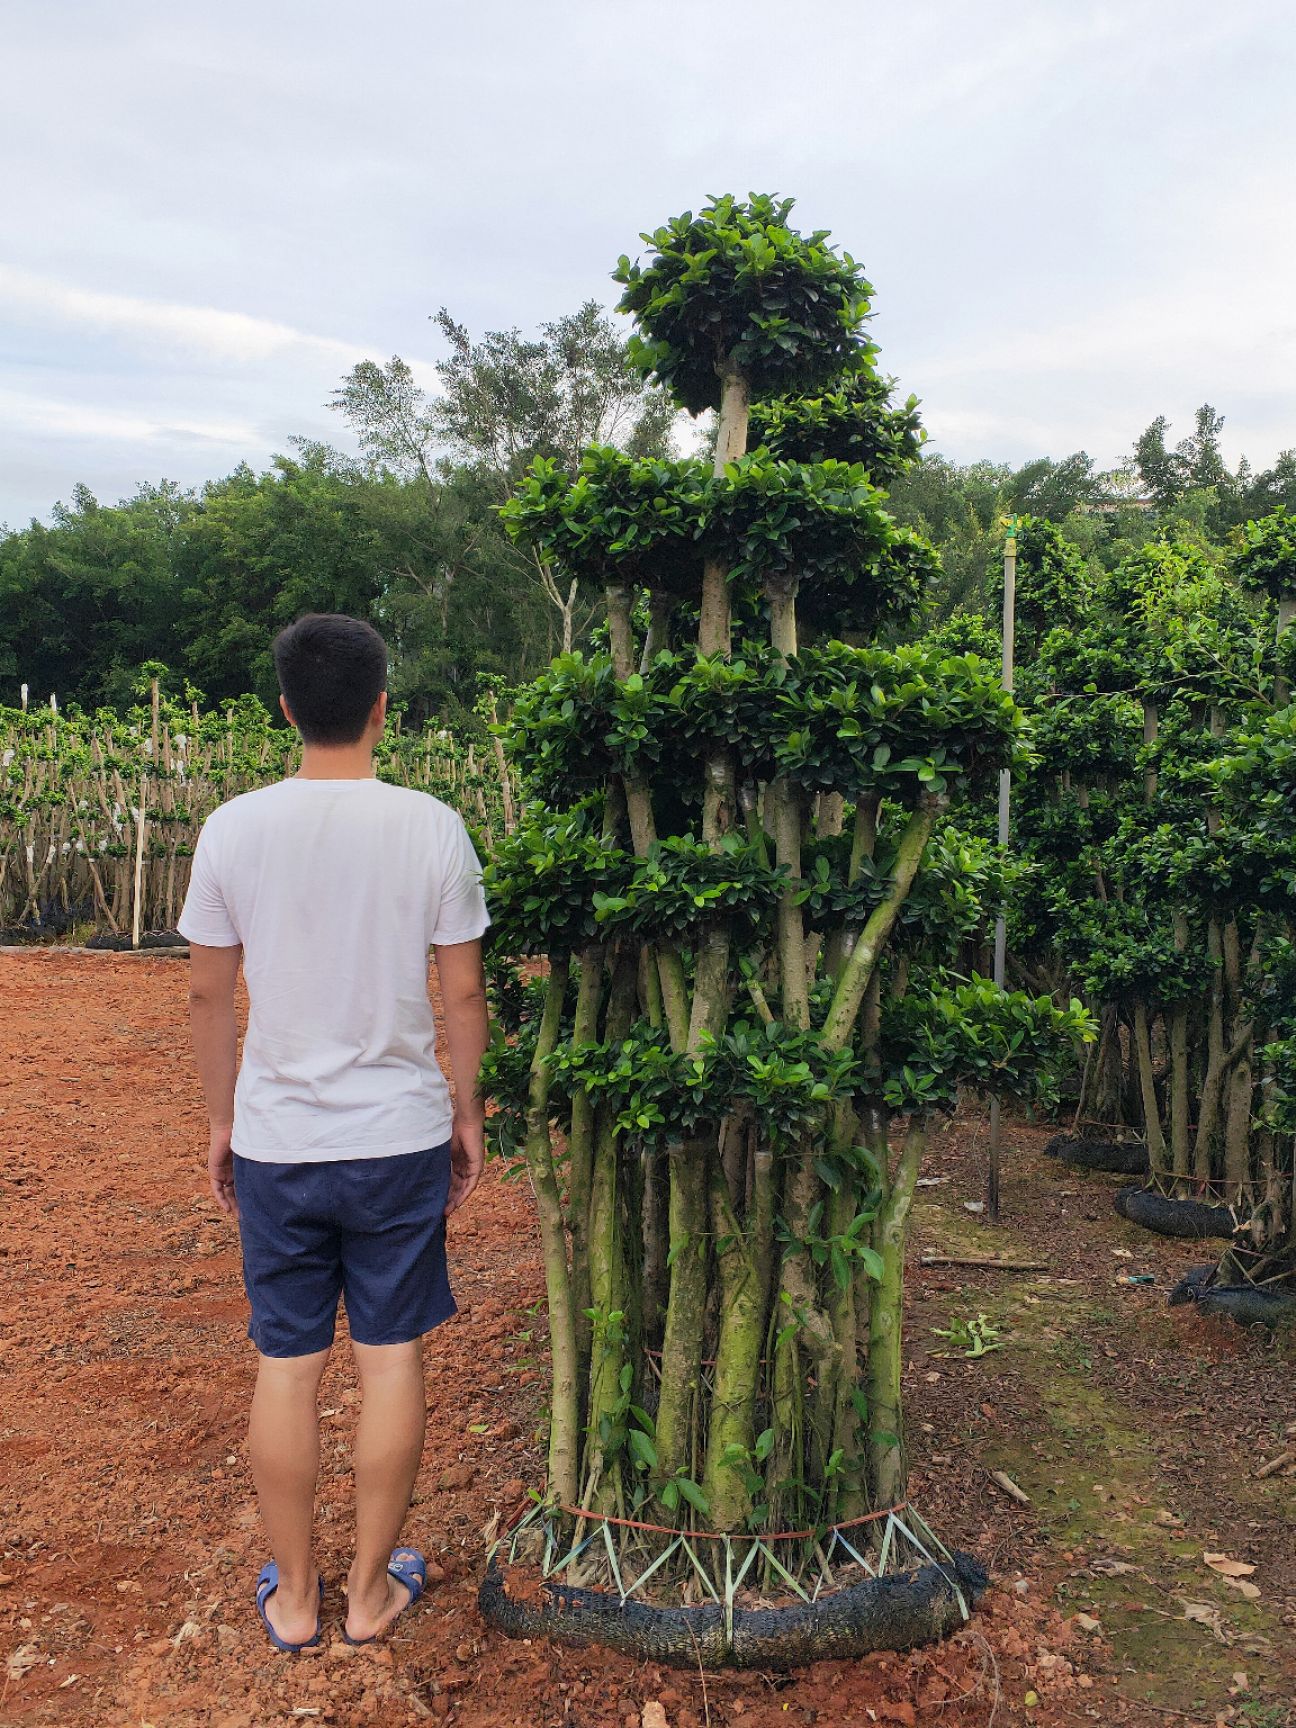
467	1024
213	973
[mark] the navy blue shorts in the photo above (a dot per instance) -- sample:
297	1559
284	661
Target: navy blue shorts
371	1230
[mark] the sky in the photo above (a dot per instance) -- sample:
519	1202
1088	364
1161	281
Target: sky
1076	216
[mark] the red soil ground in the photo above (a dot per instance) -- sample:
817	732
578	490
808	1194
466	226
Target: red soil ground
129	1541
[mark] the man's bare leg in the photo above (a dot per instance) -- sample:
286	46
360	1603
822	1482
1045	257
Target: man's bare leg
283	1441
388	1447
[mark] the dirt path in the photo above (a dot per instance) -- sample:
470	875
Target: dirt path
1136	1429
128	1531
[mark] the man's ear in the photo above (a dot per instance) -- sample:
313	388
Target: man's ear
286	711
378	716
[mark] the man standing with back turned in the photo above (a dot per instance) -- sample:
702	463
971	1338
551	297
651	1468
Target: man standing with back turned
338	1151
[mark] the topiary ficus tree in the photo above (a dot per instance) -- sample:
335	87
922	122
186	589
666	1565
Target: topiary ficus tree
740	861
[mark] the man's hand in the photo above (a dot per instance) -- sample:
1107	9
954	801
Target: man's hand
213	973
463	1000
467	1161
220	1168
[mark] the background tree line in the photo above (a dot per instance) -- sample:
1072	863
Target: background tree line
408	534
1185	492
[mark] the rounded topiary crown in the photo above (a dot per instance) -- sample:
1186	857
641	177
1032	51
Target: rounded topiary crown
735	288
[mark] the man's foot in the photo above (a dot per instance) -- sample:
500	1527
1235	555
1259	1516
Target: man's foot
292	1623
369	1615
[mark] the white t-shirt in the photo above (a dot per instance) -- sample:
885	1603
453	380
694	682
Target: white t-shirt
336	890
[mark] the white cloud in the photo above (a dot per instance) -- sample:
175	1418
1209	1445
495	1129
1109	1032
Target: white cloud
1171	327
1220	303
42	416
1078	212
235	337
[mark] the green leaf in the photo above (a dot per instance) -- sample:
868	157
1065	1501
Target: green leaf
645	1453
829	1174
872	1262
694	1495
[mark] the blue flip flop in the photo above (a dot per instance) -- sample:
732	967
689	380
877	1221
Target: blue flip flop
409	1568
267	1584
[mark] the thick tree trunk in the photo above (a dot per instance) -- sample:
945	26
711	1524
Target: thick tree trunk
1177	1041
1209	1098
877	931
1150	727
580	1148
608	1296
661	608
605	1290
689	1164
681	1357
787	814
742	1260
656	1242
735	405
564	1428
1147	1090
1237	1129
1180	1148
842	1417
886	1354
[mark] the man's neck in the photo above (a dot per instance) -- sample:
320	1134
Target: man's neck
336	762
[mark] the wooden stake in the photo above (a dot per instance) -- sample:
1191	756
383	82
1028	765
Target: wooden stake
141	824
1005	800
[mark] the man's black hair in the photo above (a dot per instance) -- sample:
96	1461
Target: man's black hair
332	669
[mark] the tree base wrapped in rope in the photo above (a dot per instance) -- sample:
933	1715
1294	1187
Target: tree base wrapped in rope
1121	1157
1194	1220
884	1610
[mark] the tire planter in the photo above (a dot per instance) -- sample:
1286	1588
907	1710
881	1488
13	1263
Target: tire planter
895	1612
150	939
1192	1284
1249	1306
1192	1219
1122	1157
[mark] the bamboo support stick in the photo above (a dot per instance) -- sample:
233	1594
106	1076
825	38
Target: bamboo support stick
141	823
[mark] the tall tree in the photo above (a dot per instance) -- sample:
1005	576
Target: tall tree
86	599
731	856
505	400
1196	464
1052	490
1159	468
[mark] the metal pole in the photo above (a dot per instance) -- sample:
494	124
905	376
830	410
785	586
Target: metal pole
1005	796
